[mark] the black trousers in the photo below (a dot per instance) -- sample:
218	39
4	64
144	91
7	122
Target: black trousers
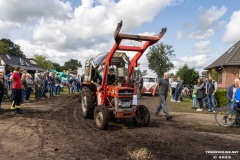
200	102
16	97
28	93
1	96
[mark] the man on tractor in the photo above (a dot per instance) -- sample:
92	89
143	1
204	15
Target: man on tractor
111	77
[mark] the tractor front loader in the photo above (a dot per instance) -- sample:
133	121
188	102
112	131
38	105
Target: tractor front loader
100	100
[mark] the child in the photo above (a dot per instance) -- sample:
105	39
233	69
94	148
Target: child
194	97
1	88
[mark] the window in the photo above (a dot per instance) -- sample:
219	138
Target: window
22	62
8	56
149	79
220	76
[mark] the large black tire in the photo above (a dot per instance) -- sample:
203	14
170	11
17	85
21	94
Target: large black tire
88	102
142	116
101	117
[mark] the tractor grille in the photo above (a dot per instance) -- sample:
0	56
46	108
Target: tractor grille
126	92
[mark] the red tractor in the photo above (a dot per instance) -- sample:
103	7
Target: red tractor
102	100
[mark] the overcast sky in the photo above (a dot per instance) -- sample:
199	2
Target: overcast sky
199	31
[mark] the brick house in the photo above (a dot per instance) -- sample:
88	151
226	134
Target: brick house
227	67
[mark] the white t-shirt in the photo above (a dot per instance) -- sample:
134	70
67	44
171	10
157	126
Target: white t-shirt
174	84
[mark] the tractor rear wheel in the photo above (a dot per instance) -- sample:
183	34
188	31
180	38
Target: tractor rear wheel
88	102
101	116
142	116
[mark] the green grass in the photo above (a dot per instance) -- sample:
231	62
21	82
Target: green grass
184	106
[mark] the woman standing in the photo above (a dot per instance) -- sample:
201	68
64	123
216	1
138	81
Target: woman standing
1	89
200	93
38	86
173	88
52	83
57	86
24	87
29	86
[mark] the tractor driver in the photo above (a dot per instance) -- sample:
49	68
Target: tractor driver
111	77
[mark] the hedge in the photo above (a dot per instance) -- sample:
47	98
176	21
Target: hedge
221	98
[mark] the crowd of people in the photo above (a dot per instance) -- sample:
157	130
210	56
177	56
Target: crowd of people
176	85
203	89
22	84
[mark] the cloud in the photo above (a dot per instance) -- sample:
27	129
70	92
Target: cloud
18	11
232	33
200	57
60	32
85	29
208	21
209	17
201	34
5	26
185	28
202	47
180	35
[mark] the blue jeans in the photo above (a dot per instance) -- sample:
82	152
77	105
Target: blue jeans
75	87
44	88
163	105
52	86
57	90
178	95
23	95
231	106
194	102
28	93
211	102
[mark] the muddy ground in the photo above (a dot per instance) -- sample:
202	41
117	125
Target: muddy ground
54	129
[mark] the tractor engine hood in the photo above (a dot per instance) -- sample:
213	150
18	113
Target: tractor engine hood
120	92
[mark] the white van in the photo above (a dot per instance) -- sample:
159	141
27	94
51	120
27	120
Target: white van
149	83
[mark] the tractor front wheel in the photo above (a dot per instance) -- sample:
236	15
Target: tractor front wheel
142	116
101	116
88	102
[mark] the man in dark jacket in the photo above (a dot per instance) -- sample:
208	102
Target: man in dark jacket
231	93
178	91
163	84
211	90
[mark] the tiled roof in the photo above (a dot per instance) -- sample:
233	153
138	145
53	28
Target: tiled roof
230	58
24	63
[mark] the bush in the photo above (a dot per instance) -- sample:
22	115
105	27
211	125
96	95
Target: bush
221	98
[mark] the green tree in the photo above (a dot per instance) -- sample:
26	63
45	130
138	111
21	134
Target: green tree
214	74
137	72
43	62
8	47
56	66
188	75
159	58
72	64
172	75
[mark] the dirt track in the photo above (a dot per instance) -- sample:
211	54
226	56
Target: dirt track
57	131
